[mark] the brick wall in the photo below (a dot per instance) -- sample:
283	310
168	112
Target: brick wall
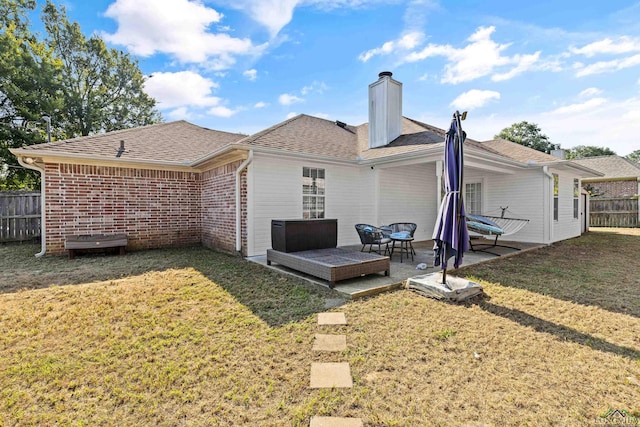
219	207
155	208
615	188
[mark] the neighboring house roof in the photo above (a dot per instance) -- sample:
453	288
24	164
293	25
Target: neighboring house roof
613	167
174	142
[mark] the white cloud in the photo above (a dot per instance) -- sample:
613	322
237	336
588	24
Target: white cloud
474	98
251	74
291	115
221	111
181	88
260	104
272	14
316	87
576	108
321	115
608	66
523	63
624	44
180	113
606	123
287	99
481	57
407	42
175	27
589	92
609	124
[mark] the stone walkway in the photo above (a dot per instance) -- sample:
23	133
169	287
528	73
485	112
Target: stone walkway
332	374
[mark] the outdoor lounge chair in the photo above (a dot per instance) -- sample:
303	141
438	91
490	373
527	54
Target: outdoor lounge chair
372	235
488	226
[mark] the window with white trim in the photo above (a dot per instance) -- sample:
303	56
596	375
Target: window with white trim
313	189
576	198
556	184
473	198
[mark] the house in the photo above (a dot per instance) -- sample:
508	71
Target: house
614	194
621	177
178	184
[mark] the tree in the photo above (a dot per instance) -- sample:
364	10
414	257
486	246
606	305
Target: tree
527	134
82	85
28	86
634	156
582	151
102	88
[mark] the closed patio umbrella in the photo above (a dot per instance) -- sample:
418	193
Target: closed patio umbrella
450	232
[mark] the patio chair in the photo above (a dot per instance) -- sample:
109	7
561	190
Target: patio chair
372	235
403	228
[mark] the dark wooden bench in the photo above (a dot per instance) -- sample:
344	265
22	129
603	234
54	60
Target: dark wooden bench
95	241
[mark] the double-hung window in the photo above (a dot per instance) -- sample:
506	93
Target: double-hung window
576	198
473	198
313	189
556	181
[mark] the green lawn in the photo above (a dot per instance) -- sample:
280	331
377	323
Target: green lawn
194	337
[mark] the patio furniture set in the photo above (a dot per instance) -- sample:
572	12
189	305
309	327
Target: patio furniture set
309	246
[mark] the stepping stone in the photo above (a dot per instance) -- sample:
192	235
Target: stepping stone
330	375
330	342
331	319
335	422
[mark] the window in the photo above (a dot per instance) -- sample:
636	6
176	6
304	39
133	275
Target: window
576	198
473	198
555	196
312	193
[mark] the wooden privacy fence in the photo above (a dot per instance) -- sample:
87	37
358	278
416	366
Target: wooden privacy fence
613	212
19	215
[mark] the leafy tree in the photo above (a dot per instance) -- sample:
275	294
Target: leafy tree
83	86
527	134
582	151
634	156
102	88
28	87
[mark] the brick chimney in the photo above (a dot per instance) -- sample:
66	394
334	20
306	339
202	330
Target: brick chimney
385	110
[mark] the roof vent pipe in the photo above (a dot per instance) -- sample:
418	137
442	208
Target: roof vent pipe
121	149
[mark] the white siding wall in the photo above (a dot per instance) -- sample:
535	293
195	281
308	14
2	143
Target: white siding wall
409	194
567	226
522	192
275	192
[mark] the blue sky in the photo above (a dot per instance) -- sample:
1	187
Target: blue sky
572	67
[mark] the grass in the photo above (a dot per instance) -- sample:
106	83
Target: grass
194	337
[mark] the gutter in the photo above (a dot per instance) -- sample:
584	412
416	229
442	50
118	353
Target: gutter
241	168
29	163
545	170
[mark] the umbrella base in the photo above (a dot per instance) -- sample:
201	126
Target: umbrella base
456	289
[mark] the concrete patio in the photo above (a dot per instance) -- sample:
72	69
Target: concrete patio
400	271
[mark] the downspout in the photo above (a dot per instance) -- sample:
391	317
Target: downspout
241	168
29	164
439	169
545	170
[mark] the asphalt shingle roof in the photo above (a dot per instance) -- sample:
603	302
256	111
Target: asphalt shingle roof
183	142
611	166
169	142
518	152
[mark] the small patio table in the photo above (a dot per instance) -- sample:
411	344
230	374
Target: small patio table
406	247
